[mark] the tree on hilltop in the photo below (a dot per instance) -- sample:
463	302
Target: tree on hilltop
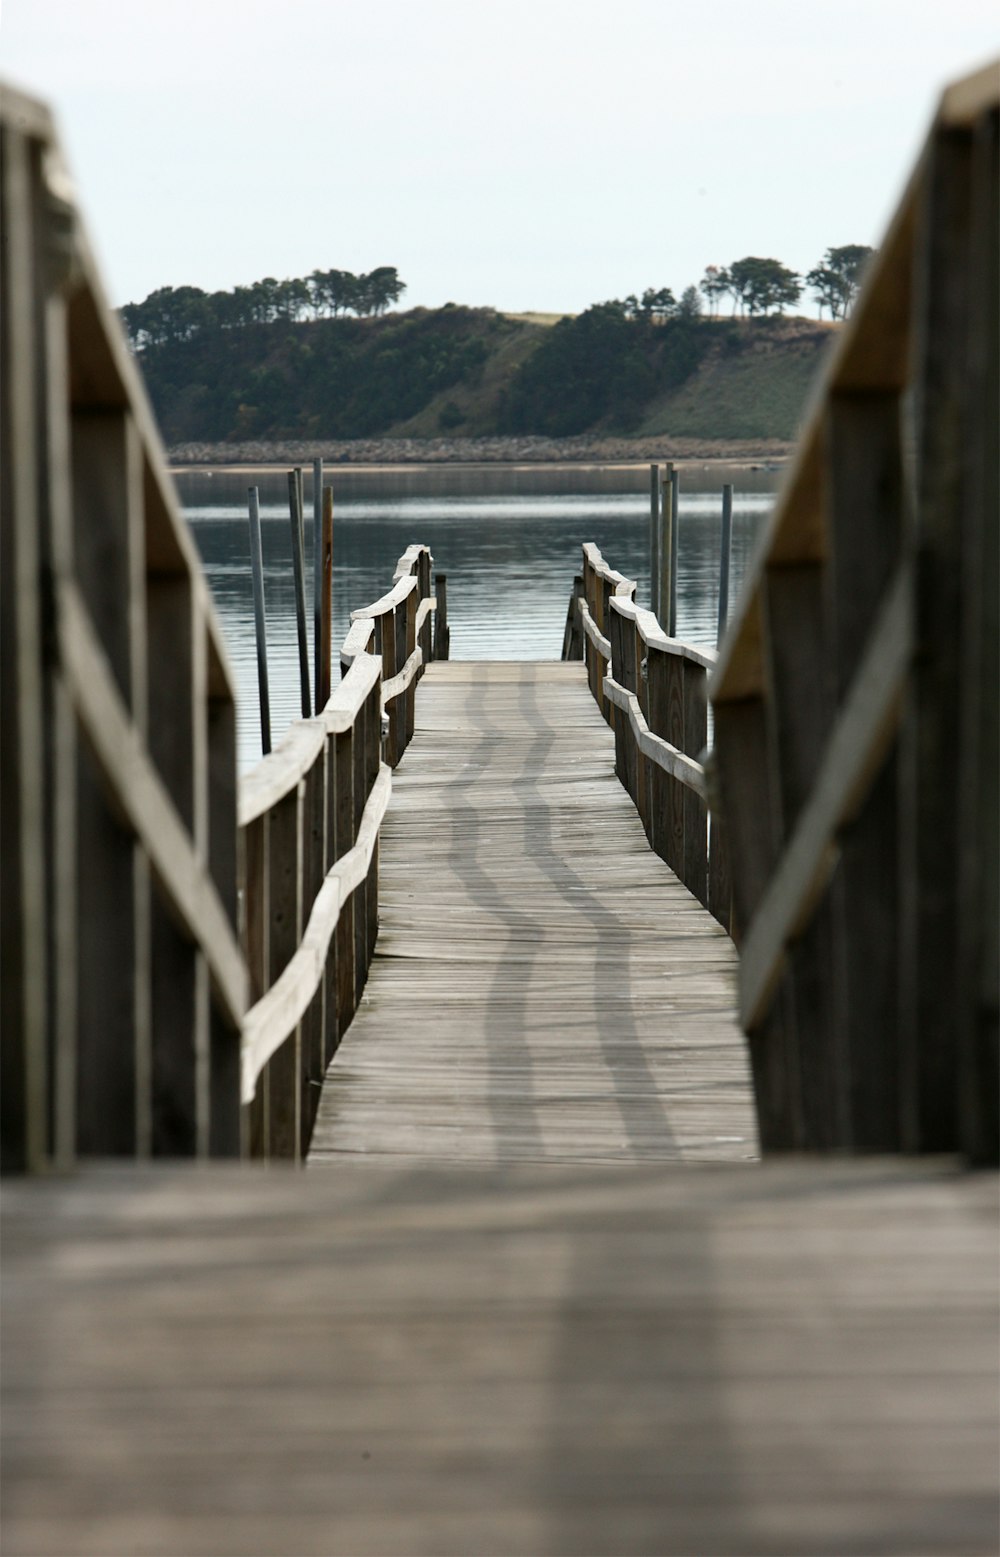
715	285
763	286
835	282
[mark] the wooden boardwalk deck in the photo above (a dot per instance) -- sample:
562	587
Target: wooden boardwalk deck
554	1361
543	987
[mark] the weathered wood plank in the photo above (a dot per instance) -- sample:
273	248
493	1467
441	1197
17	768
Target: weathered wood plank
542	986
398	1361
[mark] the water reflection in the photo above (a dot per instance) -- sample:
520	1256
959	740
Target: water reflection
508	540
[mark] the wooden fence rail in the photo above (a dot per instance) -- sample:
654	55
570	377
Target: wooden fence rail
147	899
309	821
652	691
855	700
124	985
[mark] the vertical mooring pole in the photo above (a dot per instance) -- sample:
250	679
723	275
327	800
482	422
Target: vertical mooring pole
326	602
442	632
724	558
317	577
675	528
654	539
298	571
257	575
666	546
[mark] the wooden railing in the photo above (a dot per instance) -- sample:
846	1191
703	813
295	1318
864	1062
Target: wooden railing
309	822
146	898
856	700
651	690
124	984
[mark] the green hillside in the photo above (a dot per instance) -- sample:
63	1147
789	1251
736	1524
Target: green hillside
473	372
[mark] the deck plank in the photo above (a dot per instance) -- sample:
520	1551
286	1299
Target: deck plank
750	1361
543	986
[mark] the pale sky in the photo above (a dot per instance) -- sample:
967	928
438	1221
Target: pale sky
530	154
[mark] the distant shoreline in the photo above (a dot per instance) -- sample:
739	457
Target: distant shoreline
380	454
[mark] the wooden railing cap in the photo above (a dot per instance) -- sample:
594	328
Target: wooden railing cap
399	592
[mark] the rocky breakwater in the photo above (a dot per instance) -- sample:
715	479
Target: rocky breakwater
478	451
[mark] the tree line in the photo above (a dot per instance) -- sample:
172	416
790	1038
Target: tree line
766	286
172	314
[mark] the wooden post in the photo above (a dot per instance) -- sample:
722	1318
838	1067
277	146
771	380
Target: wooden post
326	602
442	632
284	869
666	548
313	871
298	572
654	540
695	809
675	514
257	574
343	840
724	558
317	496
410	627
572	648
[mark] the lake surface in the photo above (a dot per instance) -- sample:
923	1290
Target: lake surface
508	539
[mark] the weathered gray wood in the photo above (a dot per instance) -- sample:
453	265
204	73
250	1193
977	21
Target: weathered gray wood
297	526
798	635
930	913
326	600
853	758
720	883
177	693
113	999
142	803
666	547
725	558
979	751
226	1127
256	939
284	870
793	1358
362	740
260	625
675	538
344	840
373	758
866	522
654	539
25	1076
541	986
313	1058
695	874
442	632
317	497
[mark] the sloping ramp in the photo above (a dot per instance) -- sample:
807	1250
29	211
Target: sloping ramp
543	986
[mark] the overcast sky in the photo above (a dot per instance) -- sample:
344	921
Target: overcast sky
531	154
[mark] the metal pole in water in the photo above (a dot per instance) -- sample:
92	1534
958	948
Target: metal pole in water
317	576
727	546
675	515
326	602
666	547
654	539
257	575
298	570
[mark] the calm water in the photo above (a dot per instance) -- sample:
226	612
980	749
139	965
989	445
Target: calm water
508	540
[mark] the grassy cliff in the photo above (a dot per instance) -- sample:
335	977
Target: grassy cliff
473	373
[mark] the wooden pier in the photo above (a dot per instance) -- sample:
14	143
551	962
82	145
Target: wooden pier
543	987
480	943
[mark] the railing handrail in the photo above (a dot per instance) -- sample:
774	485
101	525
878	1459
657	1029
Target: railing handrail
641	677
855	697
326	787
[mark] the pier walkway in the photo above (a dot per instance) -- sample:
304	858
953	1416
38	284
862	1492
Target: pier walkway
543	988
